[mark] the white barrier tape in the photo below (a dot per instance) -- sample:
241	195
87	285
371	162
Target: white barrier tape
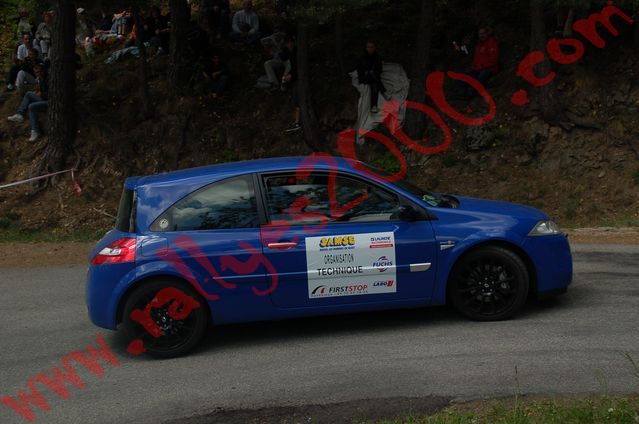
41	177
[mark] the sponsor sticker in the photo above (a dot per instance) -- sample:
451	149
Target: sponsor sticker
350	265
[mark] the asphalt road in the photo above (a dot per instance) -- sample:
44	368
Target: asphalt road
573	344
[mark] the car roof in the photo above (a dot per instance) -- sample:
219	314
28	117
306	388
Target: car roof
240	168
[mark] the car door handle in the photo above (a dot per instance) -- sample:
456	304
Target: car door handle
282	246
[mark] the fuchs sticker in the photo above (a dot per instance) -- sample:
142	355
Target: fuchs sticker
351	265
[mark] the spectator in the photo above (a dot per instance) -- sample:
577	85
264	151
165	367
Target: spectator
369	72
274	67
26	75
34	102
246	25
43	34
24	23
19	60
162	32
289	79
485	61
217	14
106	22
216	75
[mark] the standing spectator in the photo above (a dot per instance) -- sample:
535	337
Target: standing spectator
485	61
369	72
34	102
43	35
289	79
217	14
25	25
162	32
216	74
26	75
274	46
246	25
22	53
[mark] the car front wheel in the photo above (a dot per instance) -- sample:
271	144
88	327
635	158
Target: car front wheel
489	284
168	317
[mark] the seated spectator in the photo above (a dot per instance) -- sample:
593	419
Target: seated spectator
289	79
217	14
120	22
369	72
22	53
43	34
26	75
275	45
485	61
34	102
216	75
246	25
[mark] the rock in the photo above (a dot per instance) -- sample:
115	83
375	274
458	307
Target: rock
601	174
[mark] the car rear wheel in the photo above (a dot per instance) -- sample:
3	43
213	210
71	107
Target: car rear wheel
168	317
489	284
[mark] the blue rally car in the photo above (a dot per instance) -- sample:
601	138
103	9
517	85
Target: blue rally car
292	237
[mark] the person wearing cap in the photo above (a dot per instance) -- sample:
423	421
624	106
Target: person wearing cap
34	102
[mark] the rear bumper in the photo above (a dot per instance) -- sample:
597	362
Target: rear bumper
103	292
552	260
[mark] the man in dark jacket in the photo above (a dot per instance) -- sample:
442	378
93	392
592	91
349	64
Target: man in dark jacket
369	72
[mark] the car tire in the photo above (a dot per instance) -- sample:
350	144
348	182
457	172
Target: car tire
489	284
177	336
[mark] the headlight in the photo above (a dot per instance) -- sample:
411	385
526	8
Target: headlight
545	228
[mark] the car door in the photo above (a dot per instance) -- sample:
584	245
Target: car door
362	254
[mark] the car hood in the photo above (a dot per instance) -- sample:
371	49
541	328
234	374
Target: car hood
472	204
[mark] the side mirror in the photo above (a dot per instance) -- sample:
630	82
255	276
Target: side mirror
408	213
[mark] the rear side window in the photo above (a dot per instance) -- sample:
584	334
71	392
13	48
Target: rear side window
223	205
125	221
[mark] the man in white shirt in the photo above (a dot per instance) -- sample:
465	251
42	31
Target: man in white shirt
246	25
22	54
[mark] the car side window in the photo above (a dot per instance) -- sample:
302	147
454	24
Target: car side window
369	203
223	205
306	201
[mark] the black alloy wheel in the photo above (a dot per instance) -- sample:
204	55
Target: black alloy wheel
177	336
489	284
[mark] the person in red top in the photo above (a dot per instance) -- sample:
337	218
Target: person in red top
485	60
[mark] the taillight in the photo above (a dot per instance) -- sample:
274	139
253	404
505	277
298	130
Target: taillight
120	251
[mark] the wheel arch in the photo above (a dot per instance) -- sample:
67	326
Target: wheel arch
504	244
148	278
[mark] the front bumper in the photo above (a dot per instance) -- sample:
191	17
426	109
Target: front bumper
552	260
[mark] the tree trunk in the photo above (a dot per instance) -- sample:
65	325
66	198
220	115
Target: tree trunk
538	42
178	66
570	19
339	43
414	124
61	110
146	110
309	120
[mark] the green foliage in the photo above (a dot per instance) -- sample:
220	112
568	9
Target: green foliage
388	162
549	411
635	177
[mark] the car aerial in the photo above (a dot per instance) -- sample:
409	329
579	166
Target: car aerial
282	238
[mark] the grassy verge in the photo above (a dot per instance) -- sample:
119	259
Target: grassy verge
43	236
570	410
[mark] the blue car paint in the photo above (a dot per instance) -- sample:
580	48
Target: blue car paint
444	239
